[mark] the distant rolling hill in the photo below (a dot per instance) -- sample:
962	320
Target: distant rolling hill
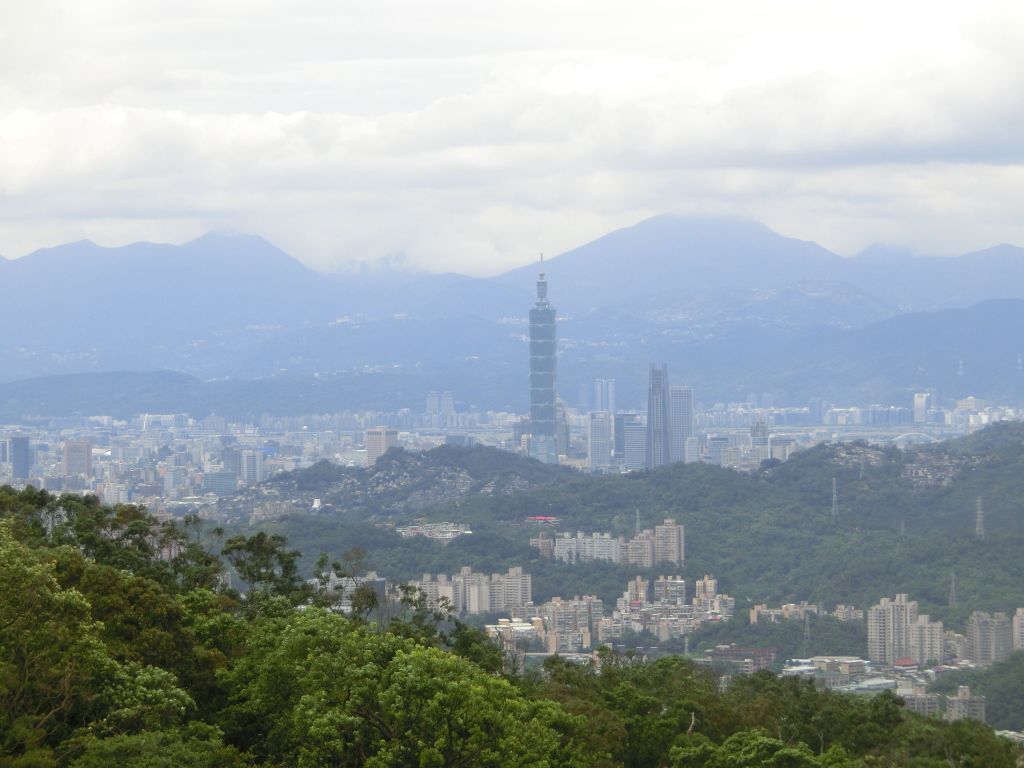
731	306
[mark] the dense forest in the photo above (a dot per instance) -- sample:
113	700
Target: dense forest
121	644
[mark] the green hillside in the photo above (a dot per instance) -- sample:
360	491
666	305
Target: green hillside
906	522
121	646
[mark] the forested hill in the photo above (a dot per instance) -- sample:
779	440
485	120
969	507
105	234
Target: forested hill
402	482
905	520
122	645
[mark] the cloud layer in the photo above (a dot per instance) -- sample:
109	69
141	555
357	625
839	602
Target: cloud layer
458	135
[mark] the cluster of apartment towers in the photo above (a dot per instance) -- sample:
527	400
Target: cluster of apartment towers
896	632
612	438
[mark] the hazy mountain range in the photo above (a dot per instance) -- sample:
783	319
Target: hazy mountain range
730	305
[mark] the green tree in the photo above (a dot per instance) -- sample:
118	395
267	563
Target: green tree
266	564
53	663
333	692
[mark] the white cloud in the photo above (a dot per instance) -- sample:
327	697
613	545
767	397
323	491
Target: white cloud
469	136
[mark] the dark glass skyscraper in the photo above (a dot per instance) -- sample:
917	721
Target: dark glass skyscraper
20	456
543	443
659	434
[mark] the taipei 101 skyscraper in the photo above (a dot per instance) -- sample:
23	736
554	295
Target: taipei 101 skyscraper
543	444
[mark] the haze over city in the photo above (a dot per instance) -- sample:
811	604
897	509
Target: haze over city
529	384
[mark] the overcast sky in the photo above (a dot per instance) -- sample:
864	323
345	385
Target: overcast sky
470	135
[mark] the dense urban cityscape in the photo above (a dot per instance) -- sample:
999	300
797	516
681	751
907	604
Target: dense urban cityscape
177	465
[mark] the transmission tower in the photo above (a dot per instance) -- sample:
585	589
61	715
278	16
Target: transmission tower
952	589
835	499
979	520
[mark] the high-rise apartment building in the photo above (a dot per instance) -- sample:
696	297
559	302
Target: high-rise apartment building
659	435
475	593
19	454
543	344
440	409
599	439
706	588
889	623
989	638
640	550
1018	630
378	441
77	458
964	706
927	640
669	542
681	417
670	590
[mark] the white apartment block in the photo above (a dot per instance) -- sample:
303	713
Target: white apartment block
476	593
889	625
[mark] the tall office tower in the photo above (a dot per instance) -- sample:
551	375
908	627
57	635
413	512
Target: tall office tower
77	458
604	395
378	441
619	432
604	400
634	439
562	432
669	542
889	625
543	444
989	638
760	447
599	439
251	463
3	452
659	436
681	415
922	404
231	460
692	450
20	456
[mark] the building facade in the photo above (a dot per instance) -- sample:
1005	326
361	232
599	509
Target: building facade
889	625
681	416
378	441
989	638
543	345
659	432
